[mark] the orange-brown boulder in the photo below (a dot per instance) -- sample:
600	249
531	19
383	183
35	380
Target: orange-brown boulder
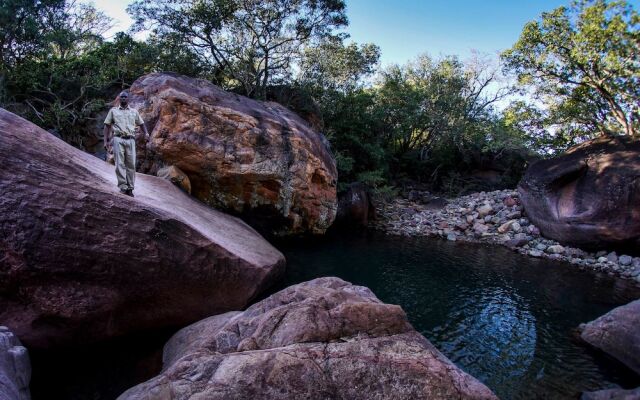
317	340
253	158
81	262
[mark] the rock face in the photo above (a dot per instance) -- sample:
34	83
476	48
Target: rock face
15	368
355	207
589	196
617	333
254	158
81	262
322	339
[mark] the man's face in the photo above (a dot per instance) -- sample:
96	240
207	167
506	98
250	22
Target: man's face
124	99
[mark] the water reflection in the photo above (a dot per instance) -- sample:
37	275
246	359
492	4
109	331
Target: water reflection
491	330
504	318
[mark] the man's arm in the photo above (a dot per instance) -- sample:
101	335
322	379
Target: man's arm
106	134
144	129
140	123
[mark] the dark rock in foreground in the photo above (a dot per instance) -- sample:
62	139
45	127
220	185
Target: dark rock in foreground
82	262
612	394
254	158
617	333
15	368
589	196
322	339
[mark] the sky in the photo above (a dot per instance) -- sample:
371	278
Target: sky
405	29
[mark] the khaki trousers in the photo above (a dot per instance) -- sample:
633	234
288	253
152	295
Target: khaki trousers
124	152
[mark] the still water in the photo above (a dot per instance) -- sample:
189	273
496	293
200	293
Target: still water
504	318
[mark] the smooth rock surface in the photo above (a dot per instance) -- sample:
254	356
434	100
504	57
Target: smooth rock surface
590	196
82	262
15	368
254	158
617	333
322	339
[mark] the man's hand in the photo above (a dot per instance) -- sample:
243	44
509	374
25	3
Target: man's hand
146	132
108	146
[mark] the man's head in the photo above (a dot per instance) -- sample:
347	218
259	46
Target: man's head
124	98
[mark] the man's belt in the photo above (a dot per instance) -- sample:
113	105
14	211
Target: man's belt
124	136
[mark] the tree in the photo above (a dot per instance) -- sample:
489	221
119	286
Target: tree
334	66
24	26
252	43
431	100
76	29
584	63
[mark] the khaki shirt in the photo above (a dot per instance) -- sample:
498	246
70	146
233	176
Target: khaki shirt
123	121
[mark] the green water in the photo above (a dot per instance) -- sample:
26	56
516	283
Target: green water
504	318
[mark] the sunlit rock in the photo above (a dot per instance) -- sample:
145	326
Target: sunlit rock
322	339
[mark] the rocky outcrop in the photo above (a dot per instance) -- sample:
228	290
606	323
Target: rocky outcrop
15	368
617	333
253	158
589	196
355	207
612	394
81	262
322	339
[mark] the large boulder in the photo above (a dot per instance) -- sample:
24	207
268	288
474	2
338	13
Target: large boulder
617	333
257	159
81	262
322	339
15	368
589	196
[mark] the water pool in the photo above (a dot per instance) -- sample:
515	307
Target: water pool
504	318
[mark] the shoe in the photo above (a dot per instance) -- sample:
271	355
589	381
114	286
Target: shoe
129	192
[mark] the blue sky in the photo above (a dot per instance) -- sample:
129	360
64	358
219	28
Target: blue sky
405	29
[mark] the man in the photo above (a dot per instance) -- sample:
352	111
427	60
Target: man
122	120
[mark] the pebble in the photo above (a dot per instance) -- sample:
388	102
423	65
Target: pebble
555	249
484	210
625	260
535	253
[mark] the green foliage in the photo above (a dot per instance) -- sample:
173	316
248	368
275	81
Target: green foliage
251	43
429	101
352	124
24	28
332	66
583	63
